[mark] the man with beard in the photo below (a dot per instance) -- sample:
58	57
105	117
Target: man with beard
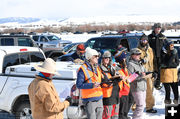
125	95
157	41
147	58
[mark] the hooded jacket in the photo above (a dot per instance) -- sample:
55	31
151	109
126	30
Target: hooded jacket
44	100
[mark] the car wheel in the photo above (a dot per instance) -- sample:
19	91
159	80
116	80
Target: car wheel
23	111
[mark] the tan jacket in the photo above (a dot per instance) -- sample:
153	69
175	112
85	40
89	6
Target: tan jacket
169	75
148	55
44	100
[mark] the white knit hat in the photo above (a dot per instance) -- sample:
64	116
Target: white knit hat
90	52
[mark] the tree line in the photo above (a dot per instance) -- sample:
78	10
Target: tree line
88	28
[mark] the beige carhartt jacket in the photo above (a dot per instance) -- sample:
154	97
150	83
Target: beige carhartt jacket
44	100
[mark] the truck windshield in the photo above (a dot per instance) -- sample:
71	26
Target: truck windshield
51	38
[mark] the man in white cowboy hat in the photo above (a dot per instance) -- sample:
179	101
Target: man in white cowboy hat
44	100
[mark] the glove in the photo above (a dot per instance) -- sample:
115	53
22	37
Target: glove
69	99
154	75
143	61
157	84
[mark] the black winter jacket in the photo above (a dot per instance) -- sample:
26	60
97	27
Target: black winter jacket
156	42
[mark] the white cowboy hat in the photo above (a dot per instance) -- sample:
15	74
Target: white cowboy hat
48	66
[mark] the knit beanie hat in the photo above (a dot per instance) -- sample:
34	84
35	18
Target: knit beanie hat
120	57
90	52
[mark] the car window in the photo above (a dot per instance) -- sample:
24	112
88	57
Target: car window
21	58
53	37
7	41
178	49
10	60
124	43
43	39
35	38
25	42
90	43
36	57
103	43
67	47
133	42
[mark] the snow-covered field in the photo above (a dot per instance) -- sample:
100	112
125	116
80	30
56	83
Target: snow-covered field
84	37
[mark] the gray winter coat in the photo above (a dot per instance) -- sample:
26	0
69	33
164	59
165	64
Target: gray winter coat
139	84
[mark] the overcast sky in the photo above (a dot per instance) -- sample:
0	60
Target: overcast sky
57	9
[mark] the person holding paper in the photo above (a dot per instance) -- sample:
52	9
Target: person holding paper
126	98
44	100
138	86
88	81
110	88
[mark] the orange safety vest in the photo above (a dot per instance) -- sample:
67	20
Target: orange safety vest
124	86
107	91
91	77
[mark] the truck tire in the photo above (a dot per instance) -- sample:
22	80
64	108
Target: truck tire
23	111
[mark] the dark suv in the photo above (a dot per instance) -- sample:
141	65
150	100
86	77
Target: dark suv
110	42
16	40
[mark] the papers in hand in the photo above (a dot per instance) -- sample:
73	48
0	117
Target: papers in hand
132	77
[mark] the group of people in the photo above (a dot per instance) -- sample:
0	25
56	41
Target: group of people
108	88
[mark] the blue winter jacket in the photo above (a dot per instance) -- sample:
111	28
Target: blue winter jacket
82	84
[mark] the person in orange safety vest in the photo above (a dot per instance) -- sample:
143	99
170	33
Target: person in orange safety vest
88	81
126	98
110	90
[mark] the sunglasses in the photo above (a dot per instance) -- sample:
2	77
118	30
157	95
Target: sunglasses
96	56
171	45
106	57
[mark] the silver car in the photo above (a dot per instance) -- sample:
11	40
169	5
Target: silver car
50	42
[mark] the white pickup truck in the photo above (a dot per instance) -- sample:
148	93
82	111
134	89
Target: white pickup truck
16	73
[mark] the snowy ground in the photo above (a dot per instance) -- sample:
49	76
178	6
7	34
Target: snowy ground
159	106
84	37
158	94
159	98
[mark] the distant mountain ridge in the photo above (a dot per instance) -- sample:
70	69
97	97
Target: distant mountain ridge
20	20
98	20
